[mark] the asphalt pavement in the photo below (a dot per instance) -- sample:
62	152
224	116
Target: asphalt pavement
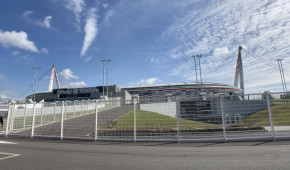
81	126
45	154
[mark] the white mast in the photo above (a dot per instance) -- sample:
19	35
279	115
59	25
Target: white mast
239	71
53	74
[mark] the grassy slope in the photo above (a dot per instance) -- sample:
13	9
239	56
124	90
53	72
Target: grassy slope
280	114
149	120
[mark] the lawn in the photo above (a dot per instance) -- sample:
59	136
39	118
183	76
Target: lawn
280	114
282	100
146	120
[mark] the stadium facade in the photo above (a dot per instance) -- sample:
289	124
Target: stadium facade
145	92
182	90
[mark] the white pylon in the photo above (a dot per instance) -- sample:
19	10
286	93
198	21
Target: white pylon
53	74
239	71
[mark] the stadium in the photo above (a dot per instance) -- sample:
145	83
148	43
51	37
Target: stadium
181	111
144	92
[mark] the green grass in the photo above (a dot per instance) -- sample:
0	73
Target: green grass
282	100
280	114
146	120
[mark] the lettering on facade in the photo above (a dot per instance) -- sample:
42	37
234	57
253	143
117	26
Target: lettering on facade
76	91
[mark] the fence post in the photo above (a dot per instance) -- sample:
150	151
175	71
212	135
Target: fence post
74	108
88	106
270	115
33	121
223	117
81	107
65	104
8	120
96	120
54	112
42	105
62	114
12	118
24	119
134	102
177	129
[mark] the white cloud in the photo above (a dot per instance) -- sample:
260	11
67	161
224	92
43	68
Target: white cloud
15	53
75	6
88	59
109	14
26	13
75	84
221	52
2	77
18	40
3	96
105	5
90	30
68	74
44	50
215	30
149	81
46	22
24	59
154	60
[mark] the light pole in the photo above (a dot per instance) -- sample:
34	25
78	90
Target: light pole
104	62
108	77
199	68
282	75
34	81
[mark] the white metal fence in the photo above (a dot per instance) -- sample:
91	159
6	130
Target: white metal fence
220	118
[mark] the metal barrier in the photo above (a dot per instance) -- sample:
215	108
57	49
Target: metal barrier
206	118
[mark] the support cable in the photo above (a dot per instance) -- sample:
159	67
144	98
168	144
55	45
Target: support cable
214	71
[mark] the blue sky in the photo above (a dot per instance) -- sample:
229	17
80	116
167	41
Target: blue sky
148	41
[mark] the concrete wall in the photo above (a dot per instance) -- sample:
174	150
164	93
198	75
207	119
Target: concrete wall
233	107
51	108
168	108
241	107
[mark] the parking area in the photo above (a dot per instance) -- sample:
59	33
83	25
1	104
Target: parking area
55	154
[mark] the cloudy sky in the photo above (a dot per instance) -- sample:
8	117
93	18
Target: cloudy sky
148	41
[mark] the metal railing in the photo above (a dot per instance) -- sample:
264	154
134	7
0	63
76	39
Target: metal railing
221	118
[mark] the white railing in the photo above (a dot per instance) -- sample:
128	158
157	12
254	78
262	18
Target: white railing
222	118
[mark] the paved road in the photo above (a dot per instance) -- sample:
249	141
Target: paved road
80	126
48	154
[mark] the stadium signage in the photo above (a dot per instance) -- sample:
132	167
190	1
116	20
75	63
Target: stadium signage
76	91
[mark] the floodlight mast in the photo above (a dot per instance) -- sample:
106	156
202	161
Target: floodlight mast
34	82
196	69
104	62
108	77
282	75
